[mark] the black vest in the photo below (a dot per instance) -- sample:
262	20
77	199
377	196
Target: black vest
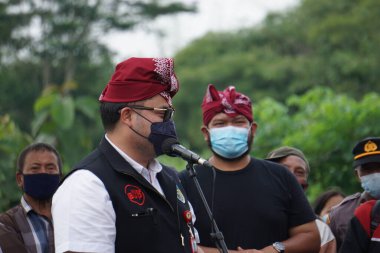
146	221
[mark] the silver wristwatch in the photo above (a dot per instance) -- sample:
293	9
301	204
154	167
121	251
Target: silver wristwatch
279	246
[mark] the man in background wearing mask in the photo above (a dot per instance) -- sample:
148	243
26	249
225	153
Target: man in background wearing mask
120	198
295	161
367	168
27	227
258	205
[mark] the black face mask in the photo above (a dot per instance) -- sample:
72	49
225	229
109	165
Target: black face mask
159	132
41	186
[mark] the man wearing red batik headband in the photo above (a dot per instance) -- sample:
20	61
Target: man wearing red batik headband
120	198
257	204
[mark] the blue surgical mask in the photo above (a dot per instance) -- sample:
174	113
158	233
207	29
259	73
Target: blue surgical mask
41	186
371	184
230	141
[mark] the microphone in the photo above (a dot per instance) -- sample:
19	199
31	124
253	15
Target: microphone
172	147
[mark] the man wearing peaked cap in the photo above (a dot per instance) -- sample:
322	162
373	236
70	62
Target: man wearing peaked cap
367	151
366	162
284	153
120	198
295	161
257	204
363	234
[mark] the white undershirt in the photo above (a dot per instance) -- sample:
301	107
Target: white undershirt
325	232
83	215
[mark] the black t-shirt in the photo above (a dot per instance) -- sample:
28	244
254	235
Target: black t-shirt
252	207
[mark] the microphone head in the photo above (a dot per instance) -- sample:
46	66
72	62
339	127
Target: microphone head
167	146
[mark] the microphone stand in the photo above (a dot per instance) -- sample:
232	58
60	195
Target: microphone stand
217	236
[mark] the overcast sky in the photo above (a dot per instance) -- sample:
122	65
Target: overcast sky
179	30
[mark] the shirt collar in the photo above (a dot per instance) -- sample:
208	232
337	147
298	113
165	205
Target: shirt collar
154	166
27	208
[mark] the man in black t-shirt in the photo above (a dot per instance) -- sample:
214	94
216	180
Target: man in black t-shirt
258	205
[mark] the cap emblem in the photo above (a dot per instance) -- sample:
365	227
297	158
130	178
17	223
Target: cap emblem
370	146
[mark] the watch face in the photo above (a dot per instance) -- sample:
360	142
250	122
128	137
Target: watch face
279	246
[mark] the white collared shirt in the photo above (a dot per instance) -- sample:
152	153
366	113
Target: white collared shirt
150	173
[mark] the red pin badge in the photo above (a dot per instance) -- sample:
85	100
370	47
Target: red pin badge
187	216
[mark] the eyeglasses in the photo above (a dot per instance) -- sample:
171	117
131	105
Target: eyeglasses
168	112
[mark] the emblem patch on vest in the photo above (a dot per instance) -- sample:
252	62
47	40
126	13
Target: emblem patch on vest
180	196
134	194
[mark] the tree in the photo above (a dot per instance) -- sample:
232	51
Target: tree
66	46
12	141
9	22
318	43
323	124
63	121
290	53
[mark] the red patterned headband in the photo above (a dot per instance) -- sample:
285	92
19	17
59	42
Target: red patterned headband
228	101
138	79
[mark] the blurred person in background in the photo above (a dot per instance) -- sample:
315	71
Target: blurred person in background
363	235
28	227
295	161
326	200
366	156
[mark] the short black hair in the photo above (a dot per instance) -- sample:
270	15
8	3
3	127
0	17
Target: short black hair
39	146
110	114
322	199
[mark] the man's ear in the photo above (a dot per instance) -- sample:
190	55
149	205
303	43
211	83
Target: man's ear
253	128
20	179
205	133
126	116
357	173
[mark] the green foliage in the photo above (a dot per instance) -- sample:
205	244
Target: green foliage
274	123
173	162
328	43
62	120
280	65
19	88
326	126
65	48
12	141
